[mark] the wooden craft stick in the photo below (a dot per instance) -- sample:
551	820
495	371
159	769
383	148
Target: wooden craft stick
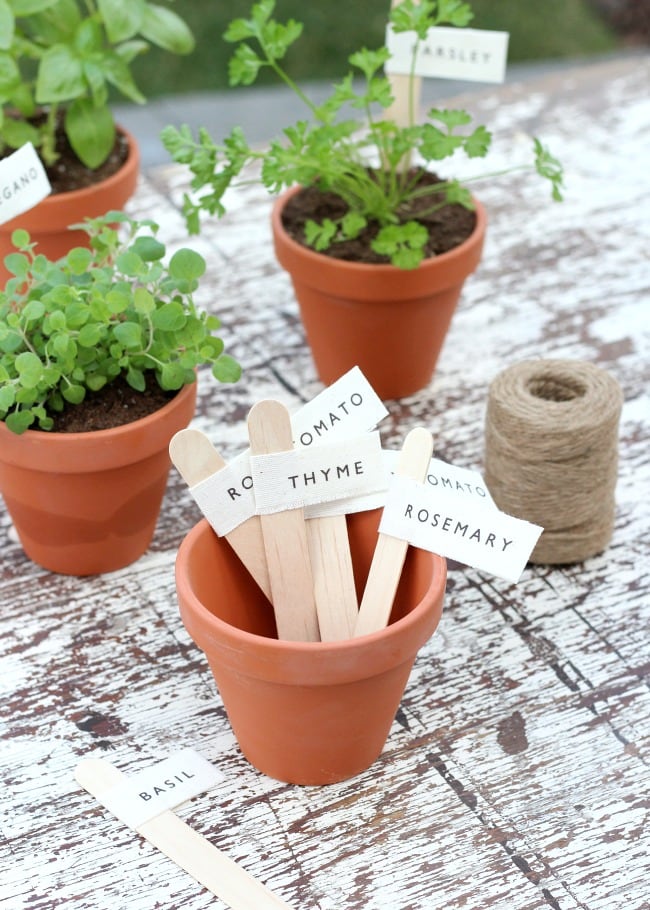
390	552
331	566
285	534
406	103
186	847
196	459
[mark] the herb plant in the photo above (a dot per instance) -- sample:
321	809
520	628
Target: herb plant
63	56
74	325
365	168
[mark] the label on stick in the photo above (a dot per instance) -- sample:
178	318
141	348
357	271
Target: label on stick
440	475
475	55
458	527
444	476
329	471
163	786
348	407
23	182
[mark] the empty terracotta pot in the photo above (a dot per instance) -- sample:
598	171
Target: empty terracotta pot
389	322
305	712
85	503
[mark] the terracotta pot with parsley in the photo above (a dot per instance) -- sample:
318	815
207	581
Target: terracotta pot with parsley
369	210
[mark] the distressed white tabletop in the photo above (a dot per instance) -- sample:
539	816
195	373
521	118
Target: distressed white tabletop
516	773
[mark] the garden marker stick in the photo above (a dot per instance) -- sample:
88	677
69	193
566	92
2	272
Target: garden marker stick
196	459
284	534
185	846
390	552
407	94
331	566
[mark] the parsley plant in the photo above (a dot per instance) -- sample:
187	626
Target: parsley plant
365	168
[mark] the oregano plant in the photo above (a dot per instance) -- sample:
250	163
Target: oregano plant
328	150
116	309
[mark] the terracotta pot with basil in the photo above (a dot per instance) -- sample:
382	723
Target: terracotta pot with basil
99	352
375	215
59	61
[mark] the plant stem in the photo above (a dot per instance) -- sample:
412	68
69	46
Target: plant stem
47	149
293	86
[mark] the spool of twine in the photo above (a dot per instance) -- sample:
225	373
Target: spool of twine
551	453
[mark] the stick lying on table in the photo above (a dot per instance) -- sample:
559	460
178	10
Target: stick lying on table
390	552
186	847
284	534
196	459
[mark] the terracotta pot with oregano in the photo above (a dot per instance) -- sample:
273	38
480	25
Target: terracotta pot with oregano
99	353
377	244
59	59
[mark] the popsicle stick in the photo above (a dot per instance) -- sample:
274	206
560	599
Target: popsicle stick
196	459
186	847
390	552
331	566
285	535
406	104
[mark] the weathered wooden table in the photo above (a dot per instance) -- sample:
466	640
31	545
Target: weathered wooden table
516	773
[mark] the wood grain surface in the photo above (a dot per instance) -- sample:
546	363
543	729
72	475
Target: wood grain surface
516	772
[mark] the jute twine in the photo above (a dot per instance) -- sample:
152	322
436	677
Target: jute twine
551	453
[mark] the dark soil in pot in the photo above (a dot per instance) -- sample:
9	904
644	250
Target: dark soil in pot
68	173
448	227
116	404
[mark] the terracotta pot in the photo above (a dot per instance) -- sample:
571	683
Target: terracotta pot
48	221
390	322
314	712
84	503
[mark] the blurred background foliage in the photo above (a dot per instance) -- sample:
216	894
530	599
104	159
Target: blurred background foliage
539	29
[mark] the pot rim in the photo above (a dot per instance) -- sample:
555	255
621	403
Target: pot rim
240	639
91	444
130	168
365	267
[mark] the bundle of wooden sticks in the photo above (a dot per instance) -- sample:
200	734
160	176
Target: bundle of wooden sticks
304	565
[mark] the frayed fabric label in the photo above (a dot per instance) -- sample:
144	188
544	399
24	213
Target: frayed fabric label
475	55
440	476
348	407
448	477
459	528
226	498
327	472
165	785
23	182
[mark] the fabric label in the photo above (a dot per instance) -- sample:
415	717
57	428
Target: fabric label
226	498
163	786
458	527
476	55
23	182
347	407
444	476
440	475
329	471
